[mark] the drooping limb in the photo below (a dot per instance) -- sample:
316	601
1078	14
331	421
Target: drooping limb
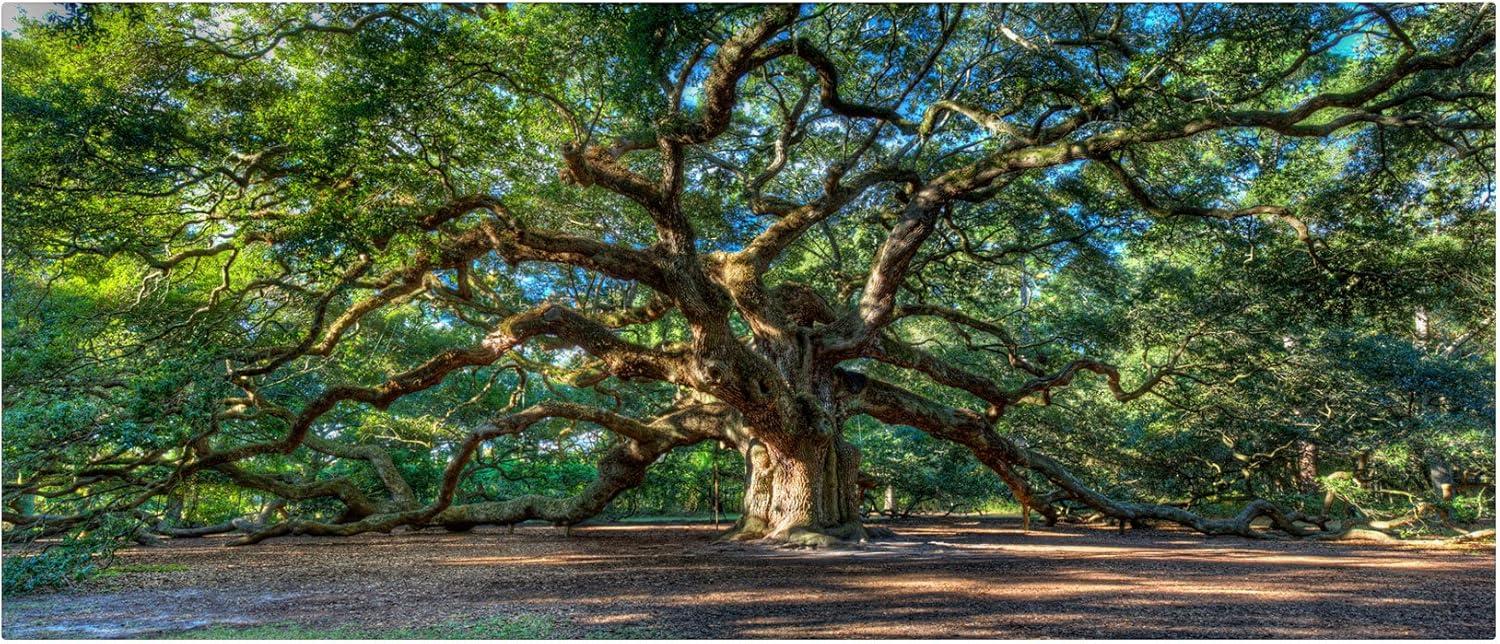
624	358
1025	494
357	504
247	524
892	404
400	492
621	468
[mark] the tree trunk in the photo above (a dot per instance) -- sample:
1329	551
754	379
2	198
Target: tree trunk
806	493
1441	476
1307	466
718	501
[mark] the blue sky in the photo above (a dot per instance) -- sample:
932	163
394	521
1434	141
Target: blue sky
12	10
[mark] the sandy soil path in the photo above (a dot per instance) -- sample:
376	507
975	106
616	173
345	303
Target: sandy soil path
951	578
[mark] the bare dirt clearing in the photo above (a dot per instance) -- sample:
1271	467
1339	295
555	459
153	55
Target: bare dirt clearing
949	578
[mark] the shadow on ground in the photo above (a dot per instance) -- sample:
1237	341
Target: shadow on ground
936	579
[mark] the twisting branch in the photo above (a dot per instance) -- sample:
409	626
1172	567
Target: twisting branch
285	32
622	467
995	124
894	405
918	221
625	359
734	59
891	351
1289	122
828	82
1012	346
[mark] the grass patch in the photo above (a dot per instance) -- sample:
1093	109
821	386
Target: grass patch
1000	507
133	569
520	627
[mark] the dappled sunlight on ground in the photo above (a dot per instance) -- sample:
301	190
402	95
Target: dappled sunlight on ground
953	578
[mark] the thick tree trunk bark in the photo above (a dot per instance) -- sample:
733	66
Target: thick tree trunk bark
1441	476
1307	466
806	493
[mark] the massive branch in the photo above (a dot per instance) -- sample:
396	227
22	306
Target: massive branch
892	404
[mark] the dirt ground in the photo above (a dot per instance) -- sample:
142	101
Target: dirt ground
956	578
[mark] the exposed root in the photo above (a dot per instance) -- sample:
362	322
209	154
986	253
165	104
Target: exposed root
806	536
748	528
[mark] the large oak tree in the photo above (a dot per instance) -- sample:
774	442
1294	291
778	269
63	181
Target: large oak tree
238	233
